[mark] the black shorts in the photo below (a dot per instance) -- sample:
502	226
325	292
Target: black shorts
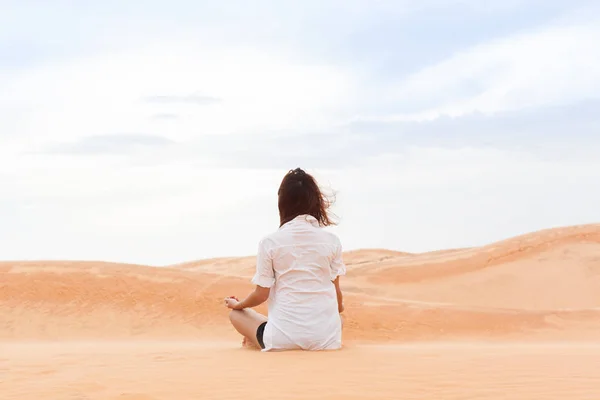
260	333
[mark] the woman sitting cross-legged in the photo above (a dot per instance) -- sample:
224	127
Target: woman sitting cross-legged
298	272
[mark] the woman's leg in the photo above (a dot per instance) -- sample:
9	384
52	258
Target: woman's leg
246	322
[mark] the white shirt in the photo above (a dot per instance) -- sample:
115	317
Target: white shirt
299	262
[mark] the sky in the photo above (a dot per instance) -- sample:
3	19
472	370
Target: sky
158	132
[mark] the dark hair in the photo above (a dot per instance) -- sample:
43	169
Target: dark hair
299	194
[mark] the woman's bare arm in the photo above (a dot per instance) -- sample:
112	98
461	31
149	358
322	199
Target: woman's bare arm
338	292
256	298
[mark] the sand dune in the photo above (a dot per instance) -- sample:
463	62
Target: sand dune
537	288
547	281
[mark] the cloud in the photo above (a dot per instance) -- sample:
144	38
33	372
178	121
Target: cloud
262	92
554	65
539	131
109	144
164	116
184	99
534	129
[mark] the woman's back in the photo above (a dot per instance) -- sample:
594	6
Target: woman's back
299	262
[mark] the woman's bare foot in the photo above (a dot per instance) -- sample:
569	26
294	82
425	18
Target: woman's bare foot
248	344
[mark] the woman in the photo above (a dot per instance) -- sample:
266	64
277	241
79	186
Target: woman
298	271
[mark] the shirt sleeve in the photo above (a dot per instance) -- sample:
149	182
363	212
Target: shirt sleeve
264	276
338	268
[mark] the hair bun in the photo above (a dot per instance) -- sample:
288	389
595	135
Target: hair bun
299	172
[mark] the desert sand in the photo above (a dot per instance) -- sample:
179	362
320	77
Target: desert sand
516	319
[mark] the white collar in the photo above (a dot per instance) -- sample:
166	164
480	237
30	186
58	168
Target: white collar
304	218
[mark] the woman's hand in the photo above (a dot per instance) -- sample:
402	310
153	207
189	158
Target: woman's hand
233	303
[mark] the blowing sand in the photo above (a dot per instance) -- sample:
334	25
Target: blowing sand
517	319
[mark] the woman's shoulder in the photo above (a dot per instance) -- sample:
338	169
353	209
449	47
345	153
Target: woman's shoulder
269	240
331	236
